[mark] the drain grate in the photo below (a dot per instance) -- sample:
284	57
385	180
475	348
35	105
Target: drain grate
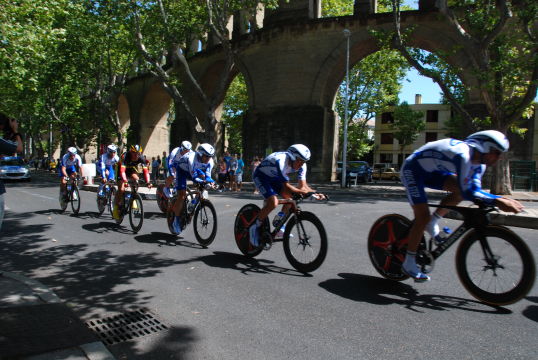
126	326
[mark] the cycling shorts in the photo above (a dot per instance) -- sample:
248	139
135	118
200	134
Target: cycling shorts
266	186
68	169
415	180
111	173
181	179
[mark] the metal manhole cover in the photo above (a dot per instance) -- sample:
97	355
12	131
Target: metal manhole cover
126	326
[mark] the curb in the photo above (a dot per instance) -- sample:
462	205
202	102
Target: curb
93	351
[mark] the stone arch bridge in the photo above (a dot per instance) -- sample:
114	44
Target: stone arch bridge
293	65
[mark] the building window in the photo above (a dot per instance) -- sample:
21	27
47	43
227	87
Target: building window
385	158
431	136
387	138
387	118
432	116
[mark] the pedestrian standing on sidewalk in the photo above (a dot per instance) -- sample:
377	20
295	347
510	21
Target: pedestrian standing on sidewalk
253	165
239	172
10	144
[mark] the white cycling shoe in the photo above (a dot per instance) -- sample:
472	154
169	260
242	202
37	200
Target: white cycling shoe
254	235
412	270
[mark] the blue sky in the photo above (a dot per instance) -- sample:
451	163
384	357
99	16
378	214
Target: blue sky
414	83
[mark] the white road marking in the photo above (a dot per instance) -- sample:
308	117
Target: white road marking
37	195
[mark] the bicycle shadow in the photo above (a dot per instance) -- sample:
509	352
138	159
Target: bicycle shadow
106	226
246	265
531	312
166	239
154	215
380	291
50	212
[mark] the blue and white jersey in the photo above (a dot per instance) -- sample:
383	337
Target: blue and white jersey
67	162
191	164
277	167
440	158
173	154
107	161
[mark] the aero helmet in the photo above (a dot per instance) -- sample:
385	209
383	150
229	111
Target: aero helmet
484	141
111	148
206	149
136	148
298	151
185	145
72	150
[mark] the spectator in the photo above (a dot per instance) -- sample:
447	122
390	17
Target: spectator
253	165
231	172
154	169
239	172
222	174
227	159
165	165
10	144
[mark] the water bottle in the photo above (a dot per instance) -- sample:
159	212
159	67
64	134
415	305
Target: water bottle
68	187
192	204
127	196
278	217
442	236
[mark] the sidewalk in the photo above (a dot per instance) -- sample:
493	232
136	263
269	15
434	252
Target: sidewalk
36	325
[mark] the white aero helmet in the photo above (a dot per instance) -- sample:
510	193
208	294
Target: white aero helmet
484	141
111	148
72	150
206	149
298	151
185	145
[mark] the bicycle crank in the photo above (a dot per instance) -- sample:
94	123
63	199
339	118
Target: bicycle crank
425	260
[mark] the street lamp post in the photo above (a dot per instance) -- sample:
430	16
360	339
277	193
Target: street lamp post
343	174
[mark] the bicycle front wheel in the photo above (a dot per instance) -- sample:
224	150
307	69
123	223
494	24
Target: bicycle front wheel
243	220
101	202
63	201
110	199
136	213
497	270
162	201
386	247
305	242
205	223
75	200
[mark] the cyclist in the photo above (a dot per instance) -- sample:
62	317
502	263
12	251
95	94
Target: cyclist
175	154
457	167
271	178
108	161
195	166
68	168
128	164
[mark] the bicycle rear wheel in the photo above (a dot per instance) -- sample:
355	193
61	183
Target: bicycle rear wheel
387	245
305	242
499	271
243	220
75	200
63	201
205	223
136	213
162	201
110	199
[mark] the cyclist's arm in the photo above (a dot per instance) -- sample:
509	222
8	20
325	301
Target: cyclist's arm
145	170
470	181
508	205
122	172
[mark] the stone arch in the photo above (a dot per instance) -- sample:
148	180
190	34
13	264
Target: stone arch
154	128
124	115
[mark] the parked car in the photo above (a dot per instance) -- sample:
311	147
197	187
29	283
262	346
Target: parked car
386	174
355	169
12	167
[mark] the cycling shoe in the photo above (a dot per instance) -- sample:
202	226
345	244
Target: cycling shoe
254	235
413	271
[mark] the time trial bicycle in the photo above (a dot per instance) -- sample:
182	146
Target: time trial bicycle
132	206
197	208
162	199
493	263
70	195
304	239
105	197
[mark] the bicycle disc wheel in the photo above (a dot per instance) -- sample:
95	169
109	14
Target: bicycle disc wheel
205	223
387	245
162	201
305	242
75	200
63	201
501	273
243	220
136	213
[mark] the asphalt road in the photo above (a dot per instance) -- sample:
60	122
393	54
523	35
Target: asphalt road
217	304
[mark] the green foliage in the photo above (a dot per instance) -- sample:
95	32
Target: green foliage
234	105
407	125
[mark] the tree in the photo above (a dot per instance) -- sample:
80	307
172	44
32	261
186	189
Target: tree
234	106
407	126
499	39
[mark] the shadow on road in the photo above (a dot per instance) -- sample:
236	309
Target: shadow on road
379	291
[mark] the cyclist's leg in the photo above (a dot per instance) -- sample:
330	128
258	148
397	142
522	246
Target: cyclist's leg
181	188
267	189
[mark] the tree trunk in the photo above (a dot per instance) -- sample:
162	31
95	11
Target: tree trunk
500	178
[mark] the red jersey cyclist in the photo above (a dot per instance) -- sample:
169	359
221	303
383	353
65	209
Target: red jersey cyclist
129	163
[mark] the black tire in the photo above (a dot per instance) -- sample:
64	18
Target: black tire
506	281
305	242
101	202
162	201
63	201
243	220
385	248
75	200
110	199
136	213
169	220
205	223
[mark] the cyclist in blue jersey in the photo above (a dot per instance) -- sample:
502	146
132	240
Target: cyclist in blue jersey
175	155
69	164
271	178
192	165
107	163
457	167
